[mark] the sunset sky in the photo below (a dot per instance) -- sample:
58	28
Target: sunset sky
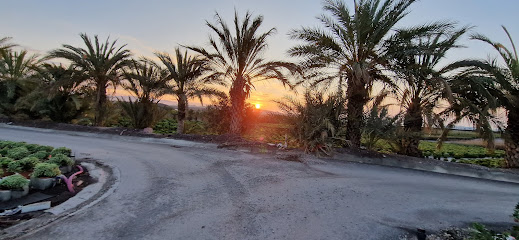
148	26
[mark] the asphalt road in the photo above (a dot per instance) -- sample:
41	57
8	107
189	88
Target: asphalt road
178	191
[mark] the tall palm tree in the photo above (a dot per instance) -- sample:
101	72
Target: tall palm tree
102	62
148	82
424	83
187	83
350	51
507	80
17	71
236	59
4	45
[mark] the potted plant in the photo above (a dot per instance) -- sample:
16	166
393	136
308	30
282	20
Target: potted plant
65	163
18	185
24	166
44	175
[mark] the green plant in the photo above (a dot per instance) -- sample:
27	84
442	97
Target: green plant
40	155
47	149
61	160
25	164
61	150
166	126
480	232
32	147
516	212
4	161
18	153
46	170
14	182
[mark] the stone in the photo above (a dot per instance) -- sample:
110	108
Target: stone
147	130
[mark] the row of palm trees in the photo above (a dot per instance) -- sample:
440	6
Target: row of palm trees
352	51
360	47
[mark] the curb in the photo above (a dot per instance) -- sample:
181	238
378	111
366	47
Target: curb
173	142
437	166
86	198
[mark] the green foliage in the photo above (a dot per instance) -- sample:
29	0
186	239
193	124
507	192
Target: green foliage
14	182
61	150
61	160
516	212
4	161
457	151
18	153
42	155
316	122
166	126
26	164
46	170
47	149
487	162
378	125
142	114
195	127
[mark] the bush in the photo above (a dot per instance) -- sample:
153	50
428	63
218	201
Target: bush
61	160
26	164
516	212
4	150
32	147
46	170
42	155
61	150
14	182
166	126
4	161
46	149
487	162
18	153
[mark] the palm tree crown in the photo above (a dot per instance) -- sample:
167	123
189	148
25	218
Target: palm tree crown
185	73
236	60
102	62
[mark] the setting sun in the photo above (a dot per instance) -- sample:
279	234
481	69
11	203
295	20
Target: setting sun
258	106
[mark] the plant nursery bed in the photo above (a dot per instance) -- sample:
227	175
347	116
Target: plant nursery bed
56	195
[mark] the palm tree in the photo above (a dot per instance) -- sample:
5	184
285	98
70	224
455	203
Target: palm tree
4	45
350	51
187	82
424	84
507	80
101	62
236	59
17	71
148	82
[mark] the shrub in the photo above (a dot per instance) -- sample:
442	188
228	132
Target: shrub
516	212
18	153
61	160
46	149
4	161
166	126
32	147
4	150
14	182
61	150
26	164
46	170
42	155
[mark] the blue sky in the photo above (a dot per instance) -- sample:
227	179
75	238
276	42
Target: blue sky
153	25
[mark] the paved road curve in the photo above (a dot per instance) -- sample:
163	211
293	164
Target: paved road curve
203	193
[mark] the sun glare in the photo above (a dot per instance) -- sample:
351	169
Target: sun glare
258	106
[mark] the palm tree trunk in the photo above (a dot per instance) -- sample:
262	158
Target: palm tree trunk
512	139
237	104
357	99
182	109
413	122
100	104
